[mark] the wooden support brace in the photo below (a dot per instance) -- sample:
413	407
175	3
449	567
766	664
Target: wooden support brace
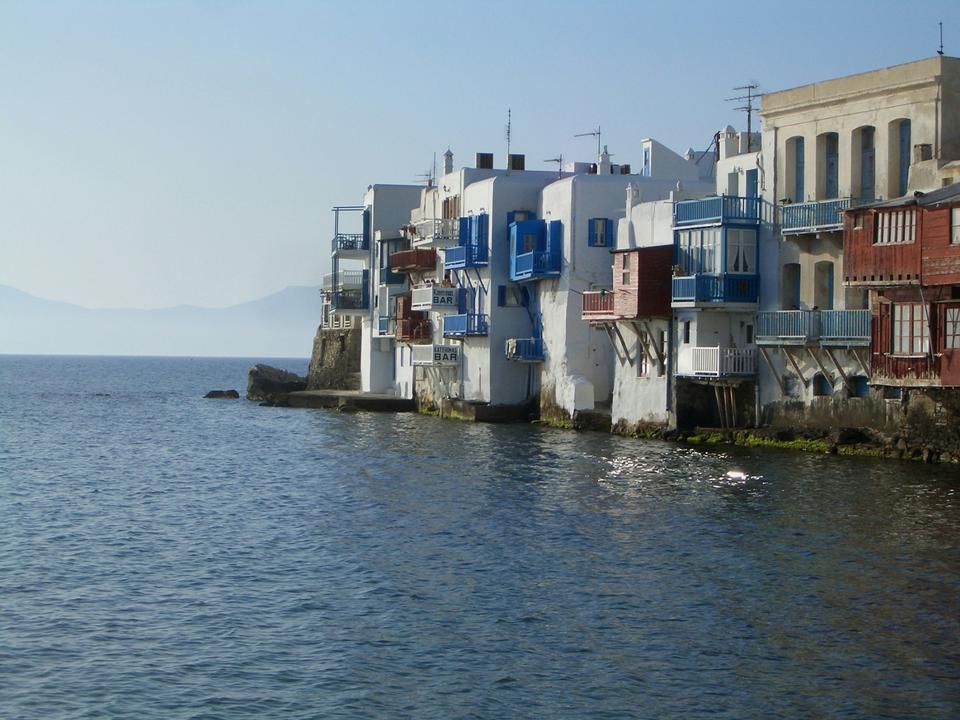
624	343
863	366
796	367
661	360
820	365
773	371
613	342
721	411
846	380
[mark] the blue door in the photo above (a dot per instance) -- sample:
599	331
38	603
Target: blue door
832	159
798	178
904	156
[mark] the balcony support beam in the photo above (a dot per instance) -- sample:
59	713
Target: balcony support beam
796	367
643	342
860	362
846	380
623	342
822	368
661	359
773	371
613	342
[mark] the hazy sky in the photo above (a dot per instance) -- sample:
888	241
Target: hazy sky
159	153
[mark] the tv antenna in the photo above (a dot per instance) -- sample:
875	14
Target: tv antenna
509	122
748	108
592	133
559	160
940	51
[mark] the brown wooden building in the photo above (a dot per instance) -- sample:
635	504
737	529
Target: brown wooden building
907	253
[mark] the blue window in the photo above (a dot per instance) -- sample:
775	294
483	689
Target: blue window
600	232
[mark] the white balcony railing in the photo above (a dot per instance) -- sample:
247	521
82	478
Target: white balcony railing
436	232
718	362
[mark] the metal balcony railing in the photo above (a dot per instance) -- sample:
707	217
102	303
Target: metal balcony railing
798	327
436	231
718	209
841	326
465	256
820	216
350	241
465	325
525	349
725	288
536	264
345	280
383	326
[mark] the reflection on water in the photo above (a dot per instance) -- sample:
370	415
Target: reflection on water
166	556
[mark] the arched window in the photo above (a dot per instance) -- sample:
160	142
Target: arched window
828	166
898	152
863	166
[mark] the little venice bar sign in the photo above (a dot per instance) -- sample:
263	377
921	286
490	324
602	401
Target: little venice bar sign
434	298
436	355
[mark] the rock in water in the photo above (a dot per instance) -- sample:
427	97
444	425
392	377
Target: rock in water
267	383
224	394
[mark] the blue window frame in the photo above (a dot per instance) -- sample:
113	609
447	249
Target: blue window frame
600	232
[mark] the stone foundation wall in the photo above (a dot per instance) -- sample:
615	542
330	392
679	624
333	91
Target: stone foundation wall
335	362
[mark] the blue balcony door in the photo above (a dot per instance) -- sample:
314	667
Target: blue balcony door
752	183
867	164
798	169
832	166
904	157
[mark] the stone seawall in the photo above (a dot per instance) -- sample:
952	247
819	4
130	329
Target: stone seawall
335	361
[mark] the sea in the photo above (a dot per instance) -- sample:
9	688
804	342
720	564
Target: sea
167	556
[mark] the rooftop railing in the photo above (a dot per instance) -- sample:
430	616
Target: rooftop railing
436	231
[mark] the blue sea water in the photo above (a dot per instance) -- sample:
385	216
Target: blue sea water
166	556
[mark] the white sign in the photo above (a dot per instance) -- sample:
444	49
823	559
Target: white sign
436	355
434	298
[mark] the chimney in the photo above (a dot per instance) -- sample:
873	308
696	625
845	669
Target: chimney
447	162
516	162
484	161
922	151
603	163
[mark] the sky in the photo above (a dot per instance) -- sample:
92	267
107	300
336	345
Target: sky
164	153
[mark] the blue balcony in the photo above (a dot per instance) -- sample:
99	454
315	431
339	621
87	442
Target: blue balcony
845	327
812	217
525	349
466	256
787	327
535	265
803	327
536	249
718	209
383	325
349	300
465	325
716	289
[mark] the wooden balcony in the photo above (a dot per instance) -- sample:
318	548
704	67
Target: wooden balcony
414	330
597	306
416	260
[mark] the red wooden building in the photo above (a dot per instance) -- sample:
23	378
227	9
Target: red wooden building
641	287
907	253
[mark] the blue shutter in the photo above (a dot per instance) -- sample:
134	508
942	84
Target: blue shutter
464	230
501	295
462	301
592	231
366	228
611	241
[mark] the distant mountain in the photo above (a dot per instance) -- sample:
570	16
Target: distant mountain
279	325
